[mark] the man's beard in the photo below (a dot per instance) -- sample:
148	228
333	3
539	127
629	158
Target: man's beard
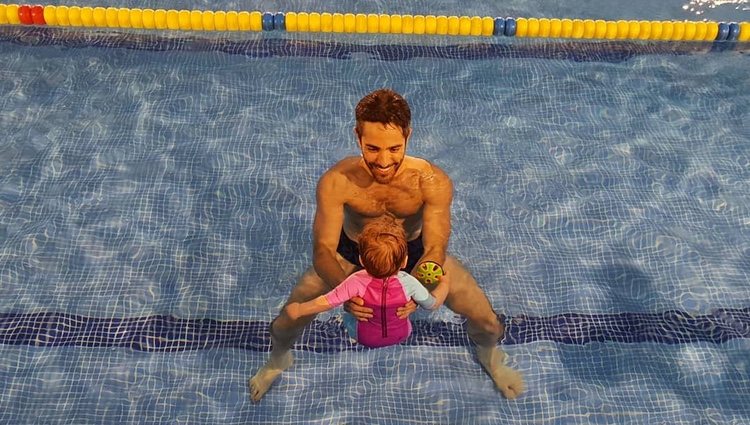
383	178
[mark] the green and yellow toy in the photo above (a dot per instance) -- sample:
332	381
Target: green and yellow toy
428	273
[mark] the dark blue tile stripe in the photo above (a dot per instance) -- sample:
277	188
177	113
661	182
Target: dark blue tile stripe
669	327
260	46
170	334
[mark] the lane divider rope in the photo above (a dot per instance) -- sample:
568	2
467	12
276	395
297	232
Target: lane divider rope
475	26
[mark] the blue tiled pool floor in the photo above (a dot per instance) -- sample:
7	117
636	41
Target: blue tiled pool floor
156	201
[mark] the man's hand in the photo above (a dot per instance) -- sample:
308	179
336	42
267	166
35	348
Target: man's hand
407	310
356	307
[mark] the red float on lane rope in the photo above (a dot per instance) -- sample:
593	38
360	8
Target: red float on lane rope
37	15
24	14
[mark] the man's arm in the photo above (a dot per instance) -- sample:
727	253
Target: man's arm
437	192
329	219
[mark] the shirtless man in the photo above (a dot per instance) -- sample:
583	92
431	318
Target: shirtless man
384	180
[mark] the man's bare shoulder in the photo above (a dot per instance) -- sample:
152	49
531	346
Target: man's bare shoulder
339	176
346	165
430	174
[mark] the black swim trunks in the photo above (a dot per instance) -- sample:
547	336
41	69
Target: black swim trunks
350	251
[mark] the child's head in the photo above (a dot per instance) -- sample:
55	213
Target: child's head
382	247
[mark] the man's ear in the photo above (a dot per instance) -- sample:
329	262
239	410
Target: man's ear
357	137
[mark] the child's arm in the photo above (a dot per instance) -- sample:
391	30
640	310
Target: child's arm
347	289
296	310
422	296
441	292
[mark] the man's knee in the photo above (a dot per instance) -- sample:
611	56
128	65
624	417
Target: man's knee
308	287
486	327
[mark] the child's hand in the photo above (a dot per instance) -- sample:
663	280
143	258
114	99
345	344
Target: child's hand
292	310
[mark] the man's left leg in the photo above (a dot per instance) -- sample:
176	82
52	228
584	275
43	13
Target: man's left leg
467	299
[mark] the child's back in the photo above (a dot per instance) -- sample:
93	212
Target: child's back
384	296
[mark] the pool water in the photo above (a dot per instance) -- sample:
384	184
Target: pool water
156	201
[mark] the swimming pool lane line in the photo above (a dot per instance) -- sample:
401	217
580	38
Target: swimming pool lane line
162	333
476	26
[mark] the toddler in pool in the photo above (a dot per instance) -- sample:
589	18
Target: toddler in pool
382	284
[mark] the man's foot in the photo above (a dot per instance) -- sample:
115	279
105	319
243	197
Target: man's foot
507	380
264	377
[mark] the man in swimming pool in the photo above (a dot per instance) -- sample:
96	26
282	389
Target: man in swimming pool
384	180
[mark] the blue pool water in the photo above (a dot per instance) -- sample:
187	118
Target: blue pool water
156	198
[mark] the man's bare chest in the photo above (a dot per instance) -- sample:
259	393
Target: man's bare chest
374	202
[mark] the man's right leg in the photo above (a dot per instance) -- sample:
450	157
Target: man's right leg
285	331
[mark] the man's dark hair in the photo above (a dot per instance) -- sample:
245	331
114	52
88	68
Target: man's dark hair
383	106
